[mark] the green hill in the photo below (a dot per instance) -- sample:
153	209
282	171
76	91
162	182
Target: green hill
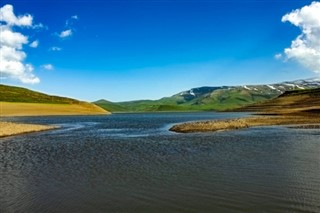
18	101
23	95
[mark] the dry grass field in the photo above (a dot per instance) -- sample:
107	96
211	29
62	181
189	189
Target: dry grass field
39	109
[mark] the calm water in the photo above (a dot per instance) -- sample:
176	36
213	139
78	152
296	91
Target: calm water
132	163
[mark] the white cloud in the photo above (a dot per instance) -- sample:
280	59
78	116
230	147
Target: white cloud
48	66
11	47
7	15
71	21
34	44
278	56
55	49
12	39
39	26
305	49
69	30
65	34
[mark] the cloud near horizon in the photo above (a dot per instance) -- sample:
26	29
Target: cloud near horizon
305	49
11	46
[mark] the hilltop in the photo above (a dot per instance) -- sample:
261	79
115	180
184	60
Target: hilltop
211	98
23	95
18	101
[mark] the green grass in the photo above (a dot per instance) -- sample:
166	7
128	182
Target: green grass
22	95
113	107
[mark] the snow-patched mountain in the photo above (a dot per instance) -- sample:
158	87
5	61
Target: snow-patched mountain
276	89
213	98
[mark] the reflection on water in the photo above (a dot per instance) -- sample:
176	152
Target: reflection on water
131	163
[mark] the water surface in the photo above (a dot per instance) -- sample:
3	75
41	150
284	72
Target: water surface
132	163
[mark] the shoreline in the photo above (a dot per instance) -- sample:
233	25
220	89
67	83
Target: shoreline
12	109
304	121
11	129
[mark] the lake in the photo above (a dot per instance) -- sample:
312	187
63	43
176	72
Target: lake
132	163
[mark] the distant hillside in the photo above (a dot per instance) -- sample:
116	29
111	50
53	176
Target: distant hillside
18	101
19	94
290	102
211	98
112	107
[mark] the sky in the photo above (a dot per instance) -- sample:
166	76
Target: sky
128	50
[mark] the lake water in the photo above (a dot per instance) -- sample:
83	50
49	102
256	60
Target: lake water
132	163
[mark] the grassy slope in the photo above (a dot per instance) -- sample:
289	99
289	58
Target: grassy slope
225	99
290	102
110	106
19	94
16	101
37	109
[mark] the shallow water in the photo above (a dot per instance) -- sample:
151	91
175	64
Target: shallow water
132	163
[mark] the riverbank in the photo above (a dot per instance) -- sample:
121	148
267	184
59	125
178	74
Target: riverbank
10	128
303	120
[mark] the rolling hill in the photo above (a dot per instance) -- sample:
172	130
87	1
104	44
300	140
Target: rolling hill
296	101
211	98
18	101
23	95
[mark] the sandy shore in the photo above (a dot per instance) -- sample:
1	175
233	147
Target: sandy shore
304	121
36	109
9	128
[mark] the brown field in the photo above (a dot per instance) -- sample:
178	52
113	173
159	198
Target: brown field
37	109
288	103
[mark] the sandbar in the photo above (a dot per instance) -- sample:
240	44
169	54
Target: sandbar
10	128
240	123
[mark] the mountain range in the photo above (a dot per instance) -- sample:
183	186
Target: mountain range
208	98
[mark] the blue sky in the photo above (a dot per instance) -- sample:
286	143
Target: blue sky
128	50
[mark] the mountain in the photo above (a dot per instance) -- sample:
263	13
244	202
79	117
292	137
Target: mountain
16	101
211	98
